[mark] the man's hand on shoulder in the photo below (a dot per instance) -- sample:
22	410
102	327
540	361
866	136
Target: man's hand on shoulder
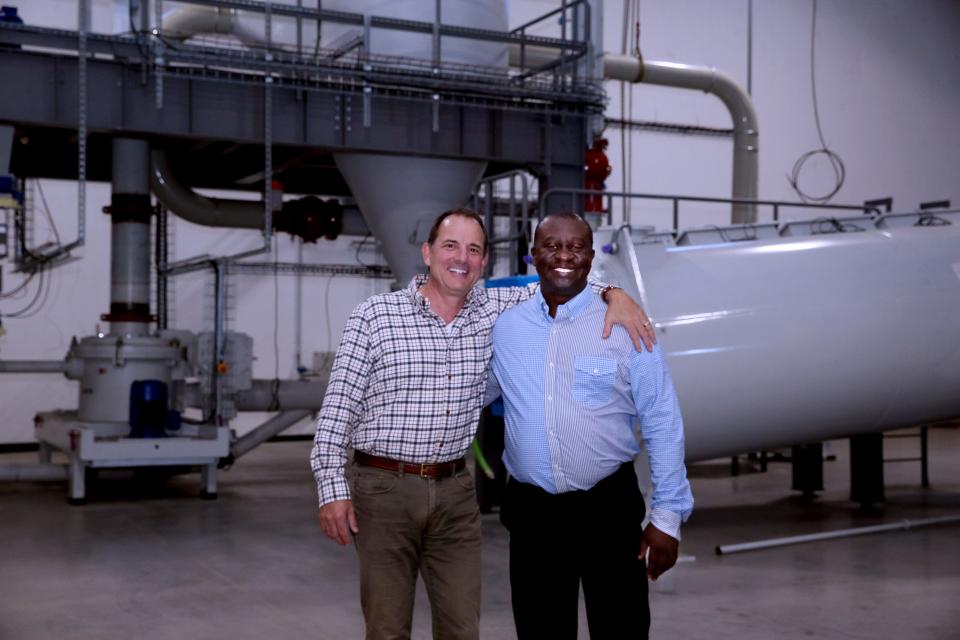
622	310
338	521
663	551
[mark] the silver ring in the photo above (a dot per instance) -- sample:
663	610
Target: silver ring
646	324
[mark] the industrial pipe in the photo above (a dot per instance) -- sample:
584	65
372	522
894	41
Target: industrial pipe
130	238
32	366
685	76
283	395
191	206
265	431
241	214
829	535
35	471
710	80
269	395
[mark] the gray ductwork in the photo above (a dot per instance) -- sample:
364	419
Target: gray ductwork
733	96
270	395
220	212
685	76
33	366
191	206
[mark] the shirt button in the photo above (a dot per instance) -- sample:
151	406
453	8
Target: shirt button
448	411
551	364
549	397
596	370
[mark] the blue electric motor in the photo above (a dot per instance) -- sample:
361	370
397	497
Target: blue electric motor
149	415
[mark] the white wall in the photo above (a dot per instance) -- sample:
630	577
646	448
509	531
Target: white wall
889	91
888	84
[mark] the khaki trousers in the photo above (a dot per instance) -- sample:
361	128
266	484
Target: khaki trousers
408	524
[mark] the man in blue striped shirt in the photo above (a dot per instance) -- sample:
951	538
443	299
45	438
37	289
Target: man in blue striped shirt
572	504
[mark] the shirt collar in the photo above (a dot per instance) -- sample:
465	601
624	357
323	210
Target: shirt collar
572	308
476	297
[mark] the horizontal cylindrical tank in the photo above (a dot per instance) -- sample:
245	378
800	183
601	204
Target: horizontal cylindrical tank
788	340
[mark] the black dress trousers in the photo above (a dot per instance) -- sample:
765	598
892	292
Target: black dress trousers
558	541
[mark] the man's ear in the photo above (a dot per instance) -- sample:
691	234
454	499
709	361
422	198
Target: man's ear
425	252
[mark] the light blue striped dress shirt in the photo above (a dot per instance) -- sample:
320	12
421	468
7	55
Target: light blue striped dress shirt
572	399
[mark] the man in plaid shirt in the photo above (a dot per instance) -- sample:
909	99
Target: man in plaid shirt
405	394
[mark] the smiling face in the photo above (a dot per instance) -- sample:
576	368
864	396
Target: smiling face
456	257
562	254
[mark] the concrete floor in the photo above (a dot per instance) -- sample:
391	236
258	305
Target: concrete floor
148	559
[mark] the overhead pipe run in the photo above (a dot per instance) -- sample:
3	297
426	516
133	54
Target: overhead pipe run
309	217
685	76
191	206
733	96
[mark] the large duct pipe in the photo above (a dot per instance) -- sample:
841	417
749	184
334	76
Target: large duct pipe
191	206
270	395
288	395
265	431
685	76
130	238
737	101
236	214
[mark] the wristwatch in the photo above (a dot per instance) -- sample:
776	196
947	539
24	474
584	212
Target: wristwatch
607	289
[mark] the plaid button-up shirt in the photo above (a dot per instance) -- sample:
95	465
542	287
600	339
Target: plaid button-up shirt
405	385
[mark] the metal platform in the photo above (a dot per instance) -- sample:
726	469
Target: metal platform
104	445
216	104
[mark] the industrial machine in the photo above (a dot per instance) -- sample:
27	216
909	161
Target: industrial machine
385	114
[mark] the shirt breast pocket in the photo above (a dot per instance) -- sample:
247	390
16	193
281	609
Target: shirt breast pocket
593	380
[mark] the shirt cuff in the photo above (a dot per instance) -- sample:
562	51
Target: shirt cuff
331	489
666	521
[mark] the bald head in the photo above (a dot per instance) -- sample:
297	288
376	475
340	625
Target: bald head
562	254
565	215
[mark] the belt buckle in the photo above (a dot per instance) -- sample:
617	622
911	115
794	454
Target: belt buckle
423	470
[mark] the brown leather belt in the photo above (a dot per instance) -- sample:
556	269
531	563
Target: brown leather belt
426	470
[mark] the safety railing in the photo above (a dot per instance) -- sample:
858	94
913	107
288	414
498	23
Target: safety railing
571	199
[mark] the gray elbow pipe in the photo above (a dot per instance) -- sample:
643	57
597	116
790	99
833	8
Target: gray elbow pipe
733	96
191	206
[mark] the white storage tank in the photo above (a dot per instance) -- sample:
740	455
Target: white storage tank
787	340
